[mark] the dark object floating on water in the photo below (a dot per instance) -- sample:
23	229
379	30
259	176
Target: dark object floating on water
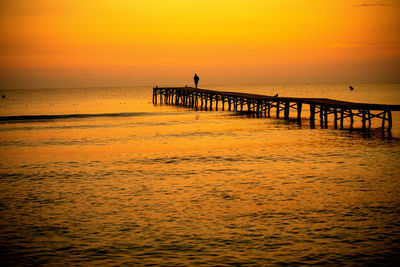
3	96
276	95
351	88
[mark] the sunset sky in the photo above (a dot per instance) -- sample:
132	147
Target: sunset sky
75	43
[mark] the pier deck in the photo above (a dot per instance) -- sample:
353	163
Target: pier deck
262	105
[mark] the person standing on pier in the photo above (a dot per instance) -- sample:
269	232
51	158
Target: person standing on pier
196	79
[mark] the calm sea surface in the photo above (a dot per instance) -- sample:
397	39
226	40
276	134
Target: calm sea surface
126	182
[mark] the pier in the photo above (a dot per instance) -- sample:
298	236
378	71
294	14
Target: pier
279	107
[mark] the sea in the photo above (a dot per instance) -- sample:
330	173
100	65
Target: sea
104	177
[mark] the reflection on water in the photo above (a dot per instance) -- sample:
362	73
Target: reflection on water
180	187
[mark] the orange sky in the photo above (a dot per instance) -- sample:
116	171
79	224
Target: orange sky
73	43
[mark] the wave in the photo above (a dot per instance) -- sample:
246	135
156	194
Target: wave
24	118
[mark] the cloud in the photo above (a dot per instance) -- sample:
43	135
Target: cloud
394	46
347	45
372	5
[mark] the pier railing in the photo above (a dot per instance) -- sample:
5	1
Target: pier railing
263	106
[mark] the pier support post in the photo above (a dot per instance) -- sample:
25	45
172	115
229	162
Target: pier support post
351	118
299	107
264	105
286	113
363	120
193	99
167	94
383	120
277	109
335	117
389	121
321	116
369	118
312	116
326	109
341	118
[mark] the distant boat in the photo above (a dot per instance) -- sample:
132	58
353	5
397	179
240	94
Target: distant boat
351	88
3	96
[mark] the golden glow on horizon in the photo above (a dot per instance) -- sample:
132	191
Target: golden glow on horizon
79	43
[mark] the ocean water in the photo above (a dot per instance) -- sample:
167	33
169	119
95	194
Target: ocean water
101	176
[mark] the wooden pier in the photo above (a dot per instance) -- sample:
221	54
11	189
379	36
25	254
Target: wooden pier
263	106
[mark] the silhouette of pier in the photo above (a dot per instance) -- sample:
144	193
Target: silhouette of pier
263	106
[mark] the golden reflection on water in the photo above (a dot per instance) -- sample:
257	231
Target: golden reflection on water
208	187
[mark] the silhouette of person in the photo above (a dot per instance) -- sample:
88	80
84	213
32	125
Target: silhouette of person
196	79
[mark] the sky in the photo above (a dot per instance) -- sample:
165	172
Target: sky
83	43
